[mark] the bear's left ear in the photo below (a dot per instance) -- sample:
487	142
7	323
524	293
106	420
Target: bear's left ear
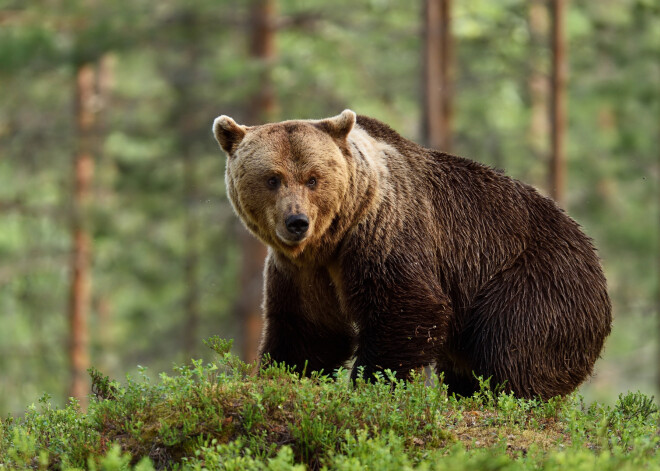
339	126
228	134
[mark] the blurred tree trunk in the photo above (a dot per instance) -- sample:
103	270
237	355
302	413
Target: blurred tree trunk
438	75
538	80
82	245
263	25
262	108
558	103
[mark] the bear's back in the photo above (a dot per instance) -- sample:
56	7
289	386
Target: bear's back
481	220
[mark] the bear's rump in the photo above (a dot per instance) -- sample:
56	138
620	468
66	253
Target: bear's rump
537	325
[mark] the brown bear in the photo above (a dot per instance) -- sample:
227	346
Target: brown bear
398	256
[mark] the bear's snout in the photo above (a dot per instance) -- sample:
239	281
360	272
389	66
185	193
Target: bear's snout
297	224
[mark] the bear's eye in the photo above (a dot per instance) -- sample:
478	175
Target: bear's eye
274	182
311	182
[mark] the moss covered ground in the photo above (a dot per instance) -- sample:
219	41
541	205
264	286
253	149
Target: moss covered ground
223	416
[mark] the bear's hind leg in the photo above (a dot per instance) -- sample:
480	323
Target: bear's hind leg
458	384
538	326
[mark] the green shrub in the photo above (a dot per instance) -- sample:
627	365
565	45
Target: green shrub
224	416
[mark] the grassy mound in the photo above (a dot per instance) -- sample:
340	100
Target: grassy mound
221	416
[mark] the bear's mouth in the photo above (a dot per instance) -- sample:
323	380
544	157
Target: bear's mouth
290	239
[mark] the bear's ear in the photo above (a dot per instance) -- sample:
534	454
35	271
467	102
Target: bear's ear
228	134
339	126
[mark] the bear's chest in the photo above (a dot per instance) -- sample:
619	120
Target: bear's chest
334	273
322	294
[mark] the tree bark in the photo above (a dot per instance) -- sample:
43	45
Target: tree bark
558	103
438	75
263	26
82	244
251	295
262	108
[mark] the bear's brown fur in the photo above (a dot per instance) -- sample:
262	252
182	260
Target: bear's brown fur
400	256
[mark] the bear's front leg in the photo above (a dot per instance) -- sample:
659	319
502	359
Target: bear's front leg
303	325
402	316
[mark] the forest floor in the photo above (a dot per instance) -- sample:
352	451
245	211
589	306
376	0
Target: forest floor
221	416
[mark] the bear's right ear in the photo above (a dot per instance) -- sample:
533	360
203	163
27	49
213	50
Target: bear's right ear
339	126
228	134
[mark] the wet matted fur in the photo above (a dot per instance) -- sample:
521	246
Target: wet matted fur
407	256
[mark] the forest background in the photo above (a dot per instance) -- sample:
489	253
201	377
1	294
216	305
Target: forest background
118	247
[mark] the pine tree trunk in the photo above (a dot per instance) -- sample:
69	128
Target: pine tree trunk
262	108
558	103
438	75
251	295
82	245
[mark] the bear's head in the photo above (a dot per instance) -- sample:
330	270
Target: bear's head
287	180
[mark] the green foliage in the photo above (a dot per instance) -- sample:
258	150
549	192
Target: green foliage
47	435
634	406
211	416
234	456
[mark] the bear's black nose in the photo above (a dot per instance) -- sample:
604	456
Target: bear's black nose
297	224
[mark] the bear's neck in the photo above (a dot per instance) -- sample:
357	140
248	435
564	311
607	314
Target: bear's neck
369	173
